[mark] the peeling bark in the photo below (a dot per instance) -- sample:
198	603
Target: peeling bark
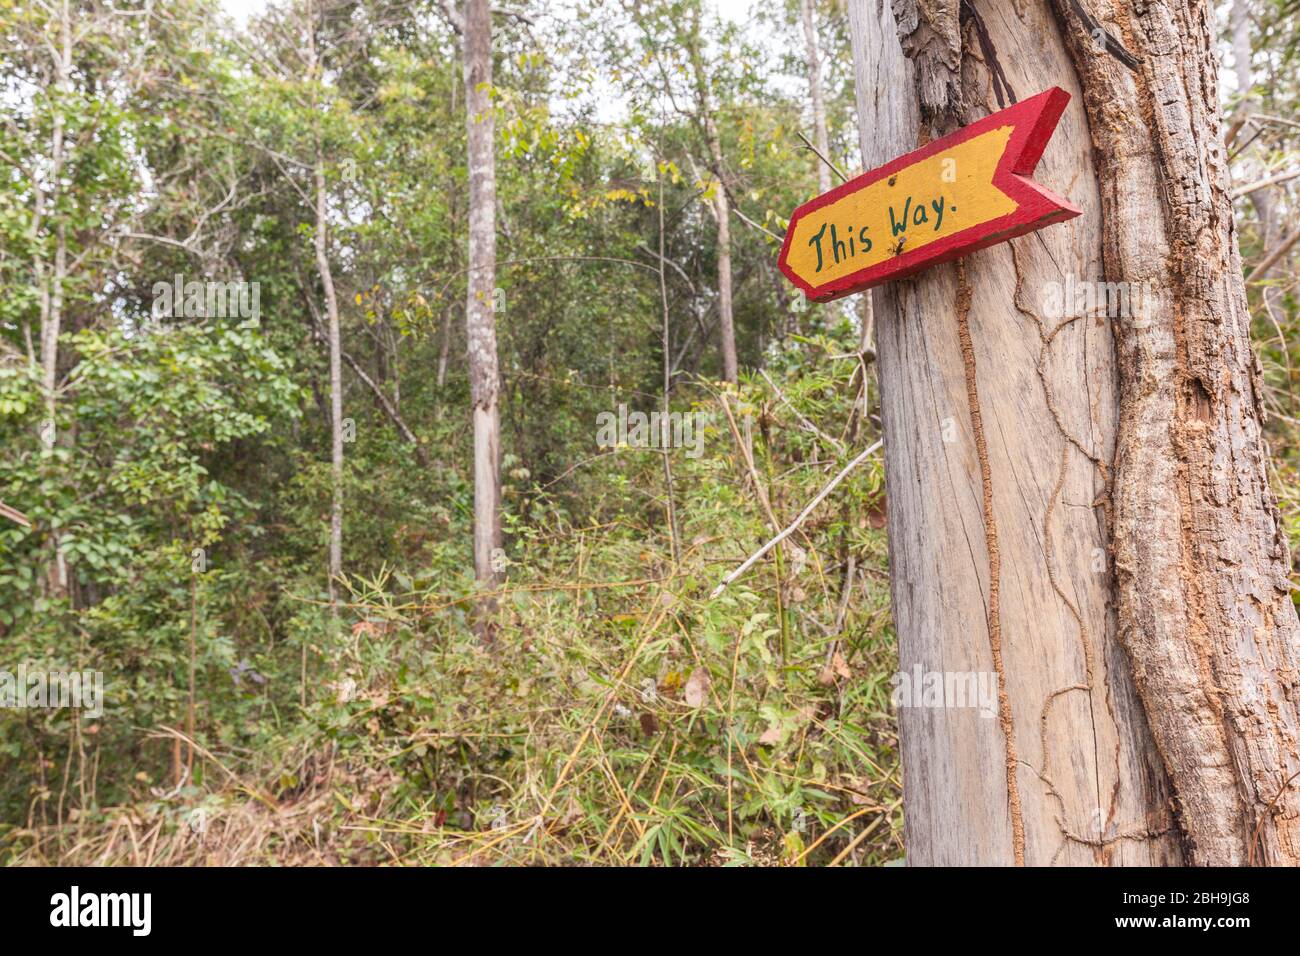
1204	602
930	33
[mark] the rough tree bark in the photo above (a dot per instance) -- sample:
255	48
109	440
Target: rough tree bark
480	320
1204	600
1063	489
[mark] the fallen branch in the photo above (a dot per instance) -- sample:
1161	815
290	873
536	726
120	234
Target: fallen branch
821	495
14	515
1261	270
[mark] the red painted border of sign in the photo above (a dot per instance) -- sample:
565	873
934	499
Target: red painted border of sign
1033	121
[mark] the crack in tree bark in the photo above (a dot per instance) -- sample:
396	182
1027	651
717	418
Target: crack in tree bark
994	565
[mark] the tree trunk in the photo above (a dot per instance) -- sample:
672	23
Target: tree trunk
807	11
1261	199
444	348
999	424
1047	413
726	320
51	286
480	320
721	206
1204	600
821	139
336	386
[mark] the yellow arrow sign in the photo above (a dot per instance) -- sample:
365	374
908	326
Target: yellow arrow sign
958	194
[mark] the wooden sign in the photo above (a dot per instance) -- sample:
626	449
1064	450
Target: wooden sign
961	193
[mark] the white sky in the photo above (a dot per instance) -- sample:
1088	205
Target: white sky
609	109
733	10
240	9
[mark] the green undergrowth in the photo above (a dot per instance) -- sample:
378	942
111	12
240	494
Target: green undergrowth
619	715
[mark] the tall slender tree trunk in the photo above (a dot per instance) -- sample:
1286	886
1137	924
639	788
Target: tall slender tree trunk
444	347
51	292
1239	25
321	248
480	320
51	281
722	212
1261	200
721	205
1078	502
726	318
336	385
667	365
821	139
808	13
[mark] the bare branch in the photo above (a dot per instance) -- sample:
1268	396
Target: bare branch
1261	270
790	529
14	515
820	155
1265	183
